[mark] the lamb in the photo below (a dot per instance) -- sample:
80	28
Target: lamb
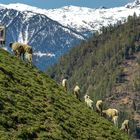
125	126
77	91
29	58
88	101
110	113
99	106
64	83
115	120
28	50
20	49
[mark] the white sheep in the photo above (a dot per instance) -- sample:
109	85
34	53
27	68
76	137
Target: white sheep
17	48
115	120
86	96
64	84
99	106
77	91
110	113
29	58
125	126
28	50
20	49
88	101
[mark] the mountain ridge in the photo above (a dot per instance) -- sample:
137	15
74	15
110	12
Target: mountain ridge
83	20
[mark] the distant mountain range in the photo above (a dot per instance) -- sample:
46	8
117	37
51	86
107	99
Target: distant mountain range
52	32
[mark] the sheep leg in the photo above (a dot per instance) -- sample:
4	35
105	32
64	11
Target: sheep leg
92	107
65	88
77	95
127	129
15	53
30	59
23	56
116	124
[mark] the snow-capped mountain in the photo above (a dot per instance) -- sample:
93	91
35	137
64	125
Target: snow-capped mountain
82	19
135	4
48	38
86	19
52	32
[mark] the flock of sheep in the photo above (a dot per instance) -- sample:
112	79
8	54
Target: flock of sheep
111	113
21	49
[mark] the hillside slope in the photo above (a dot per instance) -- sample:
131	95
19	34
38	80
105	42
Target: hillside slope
34	106
98	66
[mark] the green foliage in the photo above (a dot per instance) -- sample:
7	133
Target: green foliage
32	106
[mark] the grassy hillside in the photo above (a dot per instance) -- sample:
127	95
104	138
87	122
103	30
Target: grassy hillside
97	65
34	106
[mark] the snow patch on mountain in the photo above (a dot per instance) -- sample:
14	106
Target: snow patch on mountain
40	54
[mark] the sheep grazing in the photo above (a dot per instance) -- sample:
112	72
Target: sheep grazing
99	106
17	48
110	113
77	91
125	126
20	49
64	84
88	101
115	120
